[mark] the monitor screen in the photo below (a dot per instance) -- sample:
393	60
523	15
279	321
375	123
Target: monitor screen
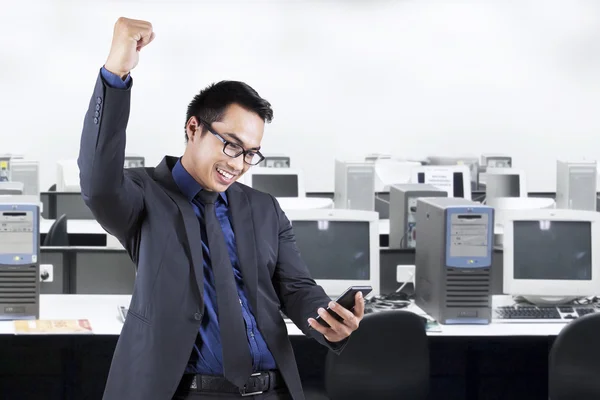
503	185
335	249
547	250
284	185
458	183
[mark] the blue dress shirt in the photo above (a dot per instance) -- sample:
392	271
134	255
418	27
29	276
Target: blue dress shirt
207	355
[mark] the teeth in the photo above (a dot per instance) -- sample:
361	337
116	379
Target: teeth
225	174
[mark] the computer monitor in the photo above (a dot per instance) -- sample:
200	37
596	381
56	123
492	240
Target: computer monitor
28	173
454	179
279	182
10	188
339	247
504	182
134	162
551	255
275	161
470	161
67	176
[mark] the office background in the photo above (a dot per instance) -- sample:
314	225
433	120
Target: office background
346	78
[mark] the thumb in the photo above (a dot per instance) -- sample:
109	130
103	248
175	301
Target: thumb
145	40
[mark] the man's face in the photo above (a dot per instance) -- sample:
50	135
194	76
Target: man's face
204	158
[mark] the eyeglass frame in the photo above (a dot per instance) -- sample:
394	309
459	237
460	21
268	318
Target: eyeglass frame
227	142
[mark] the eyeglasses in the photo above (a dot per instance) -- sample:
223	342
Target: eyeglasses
234	150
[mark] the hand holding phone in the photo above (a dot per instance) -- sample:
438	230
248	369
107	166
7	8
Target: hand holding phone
346	300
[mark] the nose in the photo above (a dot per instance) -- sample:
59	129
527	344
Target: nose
236	164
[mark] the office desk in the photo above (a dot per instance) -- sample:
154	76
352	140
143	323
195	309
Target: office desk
88	270
101	311
467	362
75	226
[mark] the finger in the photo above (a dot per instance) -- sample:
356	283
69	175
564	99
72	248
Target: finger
359	306
341	311
146	38
318	327
336	326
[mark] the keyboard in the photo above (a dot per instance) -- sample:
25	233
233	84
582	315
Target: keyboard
529	313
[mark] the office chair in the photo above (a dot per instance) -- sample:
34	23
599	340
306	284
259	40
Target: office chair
574	363
52	188
386	358
57	235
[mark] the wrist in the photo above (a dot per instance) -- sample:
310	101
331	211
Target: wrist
120	73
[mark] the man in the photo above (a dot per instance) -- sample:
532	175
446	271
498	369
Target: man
217	261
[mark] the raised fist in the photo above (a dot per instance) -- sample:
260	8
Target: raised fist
129	37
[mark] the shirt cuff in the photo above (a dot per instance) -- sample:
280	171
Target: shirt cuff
114	80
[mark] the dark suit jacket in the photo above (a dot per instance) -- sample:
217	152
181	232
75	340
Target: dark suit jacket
144	209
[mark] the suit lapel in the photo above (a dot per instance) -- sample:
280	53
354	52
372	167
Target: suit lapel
243	228
163	174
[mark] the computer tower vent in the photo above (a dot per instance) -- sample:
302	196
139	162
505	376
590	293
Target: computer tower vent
18	285
467	289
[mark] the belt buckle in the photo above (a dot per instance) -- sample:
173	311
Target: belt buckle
243	390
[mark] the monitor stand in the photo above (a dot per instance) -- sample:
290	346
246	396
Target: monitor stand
547	300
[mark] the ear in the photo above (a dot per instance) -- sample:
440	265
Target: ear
191	127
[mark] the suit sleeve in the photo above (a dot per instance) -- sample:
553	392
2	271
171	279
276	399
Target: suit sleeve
114	196
300	296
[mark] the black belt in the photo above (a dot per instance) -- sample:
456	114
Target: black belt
258	383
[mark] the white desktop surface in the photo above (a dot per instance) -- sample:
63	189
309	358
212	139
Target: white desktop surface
304	203
75	226
101	311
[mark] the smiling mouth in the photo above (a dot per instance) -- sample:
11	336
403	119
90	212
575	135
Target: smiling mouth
227	175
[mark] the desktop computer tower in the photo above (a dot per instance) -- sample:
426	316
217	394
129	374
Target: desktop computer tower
354	185
403	212
453	259
275	161
19	260
495	161
26	172
576	185
134	162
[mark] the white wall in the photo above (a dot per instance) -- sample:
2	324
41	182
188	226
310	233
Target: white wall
345	77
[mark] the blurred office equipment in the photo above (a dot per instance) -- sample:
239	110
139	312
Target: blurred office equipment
489	161
551	256
340	247
304	203
27	172
19	260
471	162
11	188
576	185
4	169
67	176
279	182
275	161
403	212
505	205
392	172
132	161
453	259
504	182
454	179
354	185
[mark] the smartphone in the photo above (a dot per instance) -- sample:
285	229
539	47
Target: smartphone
346	300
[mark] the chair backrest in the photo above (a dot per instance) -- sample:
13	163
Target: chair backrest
574	364
58	235
386	358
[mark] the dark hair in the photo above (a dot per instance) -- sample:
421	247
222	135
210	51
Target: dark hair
210	104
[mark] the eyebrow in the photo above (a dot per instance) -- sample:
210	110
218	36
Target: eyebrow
237	139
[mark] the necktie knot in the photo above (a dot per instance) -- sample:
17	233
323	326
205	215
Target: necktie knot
207	197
